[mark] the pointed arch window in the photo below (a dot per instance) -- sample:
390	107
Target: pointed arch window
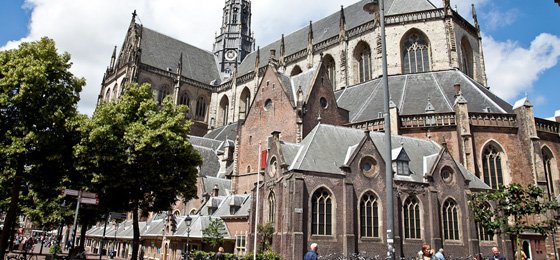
321	213
364	63
484	234
492	167
450	220
162	93
369	216
331	70
466	57
224	109
271	207
411	218
548	161
185	99
201	108
416	57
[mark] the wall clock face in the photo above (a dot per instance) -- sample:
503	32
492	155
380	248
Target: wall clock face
230	55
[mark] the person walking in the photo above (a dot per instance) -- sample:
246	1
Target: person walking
496	254
427	253
440	255
312	254
220	255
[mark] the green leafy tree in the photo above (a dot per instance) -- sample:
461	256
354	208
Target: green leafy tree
138	154
214	233
516	209
38	95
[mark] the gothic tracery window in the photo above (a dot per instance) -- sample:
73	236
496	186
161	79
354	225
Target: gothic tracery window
416	57
466	57
200	108
271	207
363	56
411	218
321	213
484	234
450	220
162	93
331	70
185	99
369	216
548	161
224	109
492	167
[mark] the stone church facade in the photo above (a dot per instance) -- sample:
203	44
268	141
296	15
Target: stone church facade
313	101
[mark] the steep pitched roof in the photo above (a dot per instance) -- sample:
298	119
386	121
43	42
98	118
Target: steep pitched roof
161	51
411	93
223	133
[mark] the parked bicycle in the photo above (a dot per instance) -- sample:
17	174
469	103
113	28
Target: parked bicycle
23	255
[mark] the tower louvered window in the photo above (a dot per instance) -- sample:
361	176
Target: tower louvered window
450	220
411	218
369	216
416	55
492	167
321	213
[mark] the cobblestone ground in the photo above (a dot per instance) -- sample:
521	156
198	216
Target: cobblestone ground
38	254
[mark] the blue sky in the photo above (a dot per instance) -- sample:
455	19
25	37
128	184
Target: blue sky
521	39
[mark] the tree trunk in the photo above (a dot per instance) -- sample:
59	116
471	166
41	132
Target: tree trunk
82	242
136	231
10	216
518	247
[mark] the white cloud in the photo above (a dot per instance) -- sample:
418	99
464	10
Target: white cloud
512	69
89	30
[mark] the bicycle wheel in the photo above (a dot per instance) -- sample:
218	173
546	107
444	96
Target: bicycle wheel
12	257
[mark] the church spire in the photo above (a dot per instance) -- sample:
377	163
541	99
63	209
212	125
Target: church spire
234	41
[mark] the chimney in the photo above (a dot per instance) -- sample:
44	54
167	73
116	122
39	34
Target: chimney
272	53
215	191
457	88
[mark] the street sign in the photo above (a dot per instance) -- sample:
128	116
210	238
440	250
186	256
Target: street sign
117	215
89	201
70	192
89	195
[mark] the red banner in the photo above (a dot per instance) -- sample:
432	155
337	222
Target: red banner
263	159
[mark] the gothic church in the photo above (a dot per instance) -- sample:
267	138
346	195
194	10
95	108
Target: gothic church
297	124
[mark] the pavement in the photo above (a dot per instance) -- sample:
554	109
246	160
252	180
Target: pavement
42	254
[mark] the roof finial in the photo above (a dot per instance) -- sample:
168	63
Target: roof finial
444	143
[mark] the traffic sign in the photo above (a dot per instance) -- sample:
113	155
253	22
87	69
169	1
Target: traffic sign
89	195
89	201
117	215
70	192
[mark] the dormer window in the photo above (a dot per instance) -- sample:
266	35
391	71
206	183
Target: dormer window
402	168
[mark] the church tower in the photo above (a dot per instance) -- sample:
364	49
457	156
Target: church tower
234	42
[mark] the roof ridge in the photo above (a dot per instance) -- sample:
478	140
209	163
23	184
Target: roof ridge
441	91
171	37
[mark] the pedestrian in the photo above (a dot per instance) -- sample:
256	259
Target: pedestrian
440	255
523	255
427	253
220	255
312	254
496	254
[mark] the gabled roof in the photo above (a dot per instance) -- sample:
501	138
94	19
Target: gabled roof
326	148
209	182
161	51
411	93
210	164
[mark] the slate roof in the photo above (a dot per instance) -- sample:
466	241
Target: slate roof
210	164
162	51
326	148
412	93
328	27
224	185
228	132
240	200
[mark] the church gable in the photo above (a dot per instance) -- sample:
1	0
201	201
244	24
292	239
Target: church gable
445	173
365	160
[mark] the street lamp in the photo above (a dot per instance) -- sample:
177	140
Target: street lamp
188	220
374	7
62	209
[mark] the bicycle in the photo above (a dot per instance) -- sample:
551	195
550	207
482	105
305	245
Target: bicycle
23	255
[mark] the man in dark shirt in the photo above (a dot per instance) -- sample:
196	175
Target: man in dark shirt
312	254
496	254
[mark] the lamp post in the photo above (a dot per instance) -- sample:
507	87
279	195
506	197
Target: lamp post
377	6
188	220
62	209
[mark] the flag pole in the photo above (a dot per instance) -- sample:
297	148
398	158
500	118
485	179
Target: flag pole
257	203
